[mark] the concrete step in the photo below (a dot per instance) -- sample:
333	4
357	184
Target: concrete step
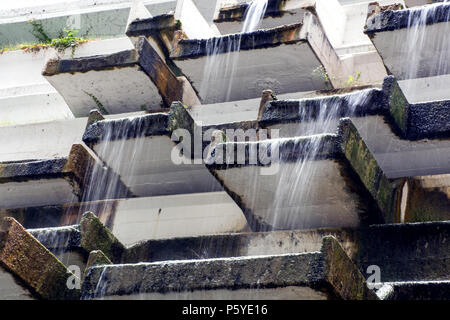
403	254
230	18
250	75
128	145
326	274
268	178
413	44
136	219
37	268
406	198
44	182
137	80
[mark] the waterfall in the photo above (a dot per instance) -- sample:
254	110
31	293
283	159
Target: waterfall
119	157
298	183
419	43
223	54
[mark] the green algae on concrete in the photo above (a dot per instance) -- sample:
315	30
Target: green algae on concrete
384	191
398	107
96	258
95	236
28	259
342	274
427	203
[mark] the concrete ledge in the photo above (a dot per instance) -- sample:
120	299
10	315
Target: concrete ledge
406	251
311	270
311	148
390	20
386	193
230	18
152	26
23	255
192	48
309	109
265	190
99	81
277	50
136	219
58	238
420	198
419	120
142	126
63	178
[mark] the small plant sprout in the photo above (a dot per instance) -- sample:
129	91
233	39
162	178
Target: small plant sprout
353	79
68	41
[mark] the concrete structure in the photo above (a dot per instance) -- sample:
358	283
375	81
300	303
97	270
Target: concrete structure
273	198
137	79
188	280
96	19
347	188
44	182
422	65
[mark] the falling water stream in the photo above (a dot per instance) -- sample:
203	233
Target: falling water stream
120	148
297	184
223	54
420	43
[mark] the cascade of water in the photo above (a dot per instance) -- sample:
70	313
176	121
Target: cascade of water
297	184
119	156
419	42
223	54
253	15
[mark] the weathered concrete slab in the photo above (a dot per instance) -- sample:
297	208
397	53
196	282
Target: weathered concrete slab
44	182
278	63
147	173
239	245
125	81
25	94
325	274
413	44
319	114
230	18
41	140
404	252
409	198
136	219
416	120
28	259
64	243
271	189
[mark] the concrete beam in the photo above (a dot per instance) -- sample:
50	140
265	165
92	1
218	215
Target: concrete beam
150	84
28	259
44	182
272	197
148	173
420	198
317	275
273	47
420	54
136	219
